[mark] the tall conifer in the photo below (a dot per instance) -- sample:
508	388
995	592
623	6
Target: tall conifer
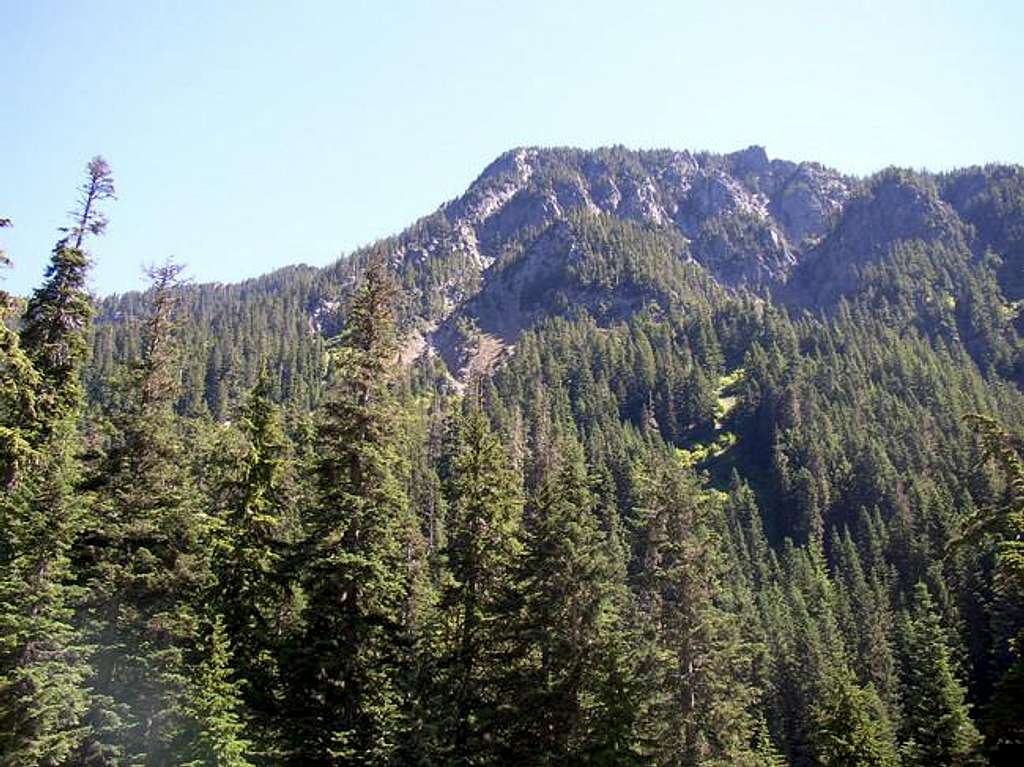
483	544
349	686
144	558
42	655
936	726
574	703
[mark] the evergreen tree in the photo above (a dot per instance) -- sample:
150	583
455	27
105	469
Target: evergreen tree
55	326
19	385
483	545
867	627
851	728
349	684
43	659
251	540
144	559
936	726
573	693
1000	525
553	581
700	686
827	717
213	702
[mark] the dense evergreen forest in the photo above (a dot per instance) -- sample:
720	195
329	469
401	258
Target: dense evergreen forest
622	458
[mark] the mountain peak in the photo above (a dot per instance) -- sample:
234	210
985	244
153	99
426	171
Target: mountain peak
753	159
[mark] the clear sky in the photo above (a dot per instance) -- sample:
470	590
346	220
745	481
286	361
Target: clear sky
249	135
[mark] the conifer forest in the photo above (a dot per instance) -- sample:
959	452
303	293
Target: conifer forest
623	458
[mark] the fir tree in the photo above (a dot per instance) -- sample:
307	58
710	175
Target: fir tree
144	559
868	621
19	386
851	728
213	702
574	692
43	660
936	726
356	575
1000	525
630	617
251	541
483	543
56	320
828	717
700	690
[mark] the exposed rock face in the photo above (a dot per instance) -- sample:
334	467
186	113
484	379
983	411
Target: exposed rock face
548	233
809	202
500	257
746	218
895	207
499	183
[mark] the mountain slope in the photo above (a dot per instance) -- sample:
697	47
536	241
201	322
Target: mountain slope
766	381
543	232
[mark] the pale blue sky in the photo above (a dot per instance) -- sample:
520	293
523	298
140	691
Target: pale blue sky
245	136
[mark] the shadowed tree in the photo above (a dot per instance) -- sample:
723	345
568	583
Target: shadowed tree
43	659
484	508
144	559
348	681
936	726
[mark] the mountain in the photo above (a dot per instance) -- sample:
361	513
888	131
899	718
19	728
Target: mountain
642	458
543	232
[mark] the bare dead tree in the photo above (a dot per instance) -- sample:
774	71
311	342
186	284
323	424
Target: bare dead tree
4	260
87	218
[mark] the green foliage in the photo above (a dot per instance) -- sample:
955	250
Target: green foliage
480	556
348	682
573	676
936	726
143	558
214	700
1000	525
54	332
701	669
271	541
256	524
43	658
852	730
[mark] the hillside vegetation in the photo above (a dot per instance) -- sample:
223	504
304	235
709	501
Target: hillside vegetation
620	458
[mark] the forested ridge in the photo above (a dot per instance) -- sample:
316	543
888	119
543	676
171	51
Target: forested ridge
621	458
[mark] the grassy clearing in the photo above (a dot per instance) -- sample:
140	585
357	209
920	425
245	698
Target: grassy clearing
722	440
